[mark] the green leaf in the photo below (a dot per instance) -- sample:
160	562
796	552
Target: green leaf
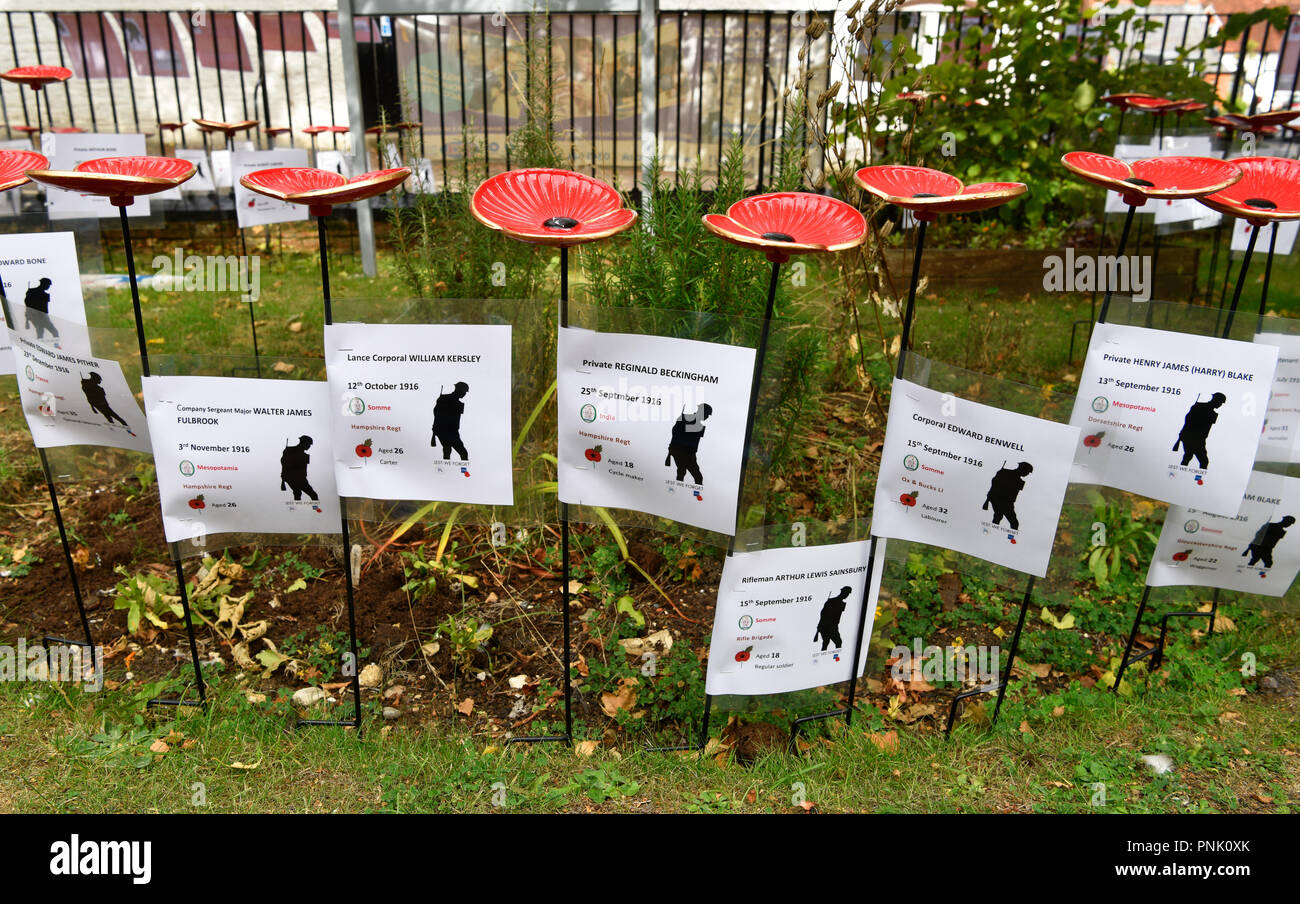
1084	95
1061	624
627	605
300	584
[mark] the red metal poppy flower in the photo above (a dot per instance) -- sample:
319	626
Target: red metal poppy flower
338	130
226	128
781	224
277	130
1261	122
26	130
1124	100
550	207
315	130
14	166
1155	177
67	130
1157	105
928	193
321	189
37	77
171	126
1269	190
120	179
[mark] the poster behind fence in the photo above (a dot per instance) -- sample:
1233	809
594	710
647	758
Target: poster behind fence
200	182
42	284
237	456
1286	234
259	210
1257	551
421	411
787	619
65	151
1172	416
972	478
71	400
653	424
1282	421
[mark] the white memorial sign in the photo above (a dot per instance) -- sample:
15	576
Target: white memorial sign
421	411
953	472
240	456
1257	551
653	424
1172	416
787	619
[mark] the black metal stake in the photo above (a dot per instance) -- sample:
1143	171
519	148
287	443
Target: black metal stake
175	550
1241	280
1157	652
355	721
565	603
751	415
89	642
1119	252
1001	686
183	590
1268	273
1132	636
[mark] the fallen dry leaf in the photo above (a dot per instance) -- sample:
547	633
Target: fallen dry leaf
623	699
586	748
466	706
159	746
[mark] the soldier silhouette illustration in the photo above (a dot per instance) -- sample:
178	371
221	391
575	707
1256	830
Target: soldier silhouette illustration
93	389
828	624
446	421
1196	429
38	309
1006	486
293	469
685	442
1261	547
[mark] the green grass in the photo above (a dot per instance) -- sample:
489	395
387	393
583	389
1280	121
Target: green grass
68	751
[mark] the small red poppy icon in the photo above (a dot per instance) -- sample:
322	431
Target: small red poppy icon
550	207
928	192
1155	177
14	166
1269	190
120	179
782	224
37	77
321	189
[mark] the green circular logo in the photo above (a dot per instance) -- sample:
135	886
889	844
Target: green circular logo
1100	404
911	462
187	468
746	622
356	406
31	374
1191	526
587	413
